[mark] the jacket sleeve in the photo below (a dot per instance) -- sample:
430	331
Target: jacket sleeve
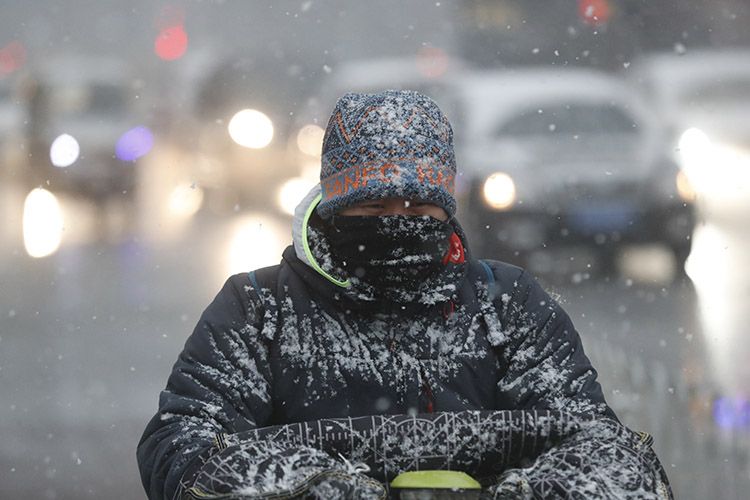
546	368
221	383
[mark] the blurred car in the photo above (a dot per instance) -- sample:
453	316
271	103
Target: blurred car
79	110
11	125
704	96
564	159
248	145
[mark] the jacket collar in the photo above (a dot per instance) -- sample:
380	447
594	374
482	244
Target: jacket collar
317	275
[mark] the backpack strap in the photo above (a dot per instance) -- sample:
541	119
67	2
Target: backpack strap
488	272
264	278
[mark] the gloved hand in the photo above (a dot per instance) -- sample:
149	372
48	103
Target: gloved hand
345	486
268	469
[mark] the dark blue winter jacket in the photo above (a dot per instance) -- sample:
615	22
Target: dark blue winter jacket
284	345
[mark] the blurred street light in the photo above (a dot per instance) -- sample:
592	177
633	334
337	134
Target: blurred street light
12	57
499	191
134	143
251	128
171	43
64	151
594	12
310	140
256	242
185	200
42	223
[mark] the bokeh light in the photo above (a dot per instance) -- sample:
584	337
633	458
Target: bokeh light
134	143
257	241
594	12
499	191
732	413
12	57
251	128
185	200
292	192
64	151
310	139
171	43
42	223
432	62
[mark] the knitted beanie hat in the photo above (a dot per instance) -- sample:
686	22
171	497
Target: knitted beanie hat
392	144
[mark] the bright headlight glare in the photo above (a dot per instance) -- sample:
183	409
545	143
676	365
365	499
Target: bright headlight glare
42	223
251	128
693	141
64	151
696	150
292	192
310	139
685	187
499	191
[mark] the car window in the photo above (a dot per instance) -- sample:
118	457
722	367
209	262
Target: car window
568	119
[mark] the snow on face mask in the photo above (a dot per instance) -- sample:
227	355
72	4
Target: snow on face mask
393	251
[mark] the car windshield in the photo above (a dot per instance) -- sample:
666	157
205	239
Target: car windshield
569	120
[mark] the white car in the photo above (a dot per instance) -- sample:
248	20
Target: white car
564	158
705	97
79	109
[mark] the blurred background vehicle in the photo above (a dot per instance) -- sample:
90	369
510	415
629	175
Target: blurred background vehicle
704	97
566	158
83	133
245	135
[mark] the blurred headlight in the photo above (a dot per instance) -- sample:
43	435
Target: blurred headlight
694	143
310	140
685	187
64	151
499	191
251	128
257	241
714	169
42	223
185	200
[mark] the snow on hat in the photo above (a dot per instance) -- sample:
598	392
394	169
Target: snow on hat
392	144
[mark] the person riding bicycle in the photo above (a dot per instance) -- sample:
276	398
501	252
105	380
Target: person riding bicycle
379	344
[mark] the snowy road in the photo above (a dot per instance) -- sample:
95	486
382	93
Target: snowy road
88	337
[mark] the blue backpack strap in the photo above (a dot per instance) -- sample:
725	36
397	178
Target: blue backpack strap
488	272
253	280
264	278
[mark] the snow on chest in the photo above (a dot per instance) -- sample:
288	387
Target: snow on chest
371	347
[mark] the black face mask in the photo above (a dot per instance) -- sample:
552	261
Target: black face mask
390	252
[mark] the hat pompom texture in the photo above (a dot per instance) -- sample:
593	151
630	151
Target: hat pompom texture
397	143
